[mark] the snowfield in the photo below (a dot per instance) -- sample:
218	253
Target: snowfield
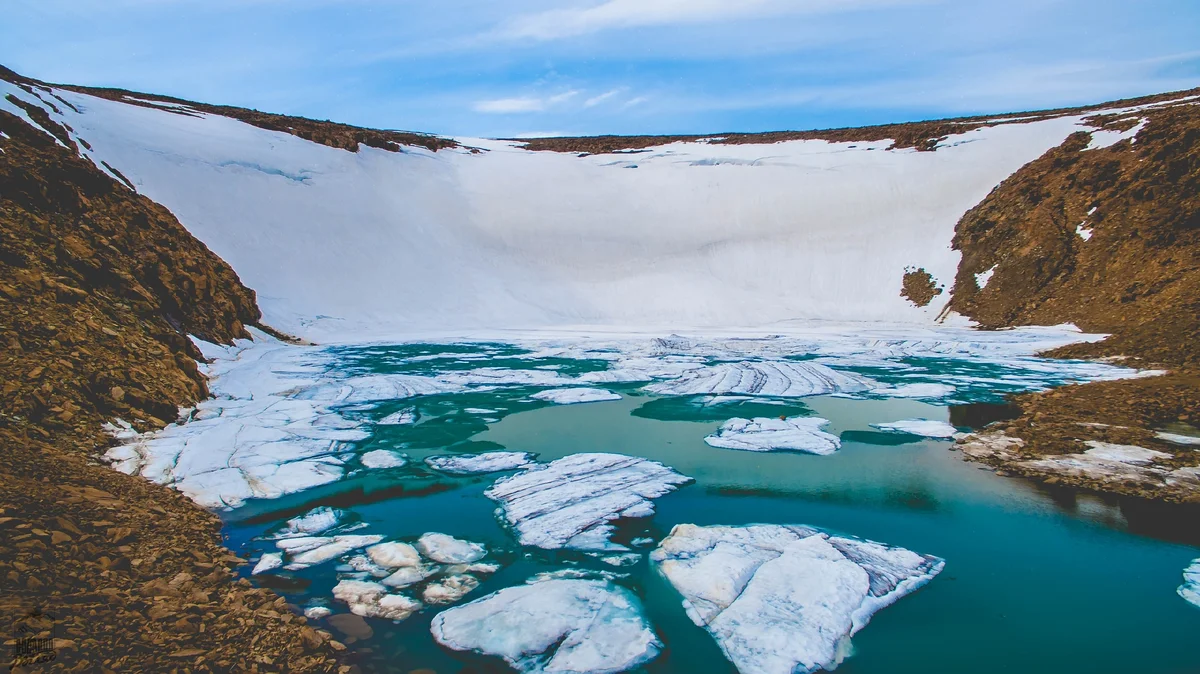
344	246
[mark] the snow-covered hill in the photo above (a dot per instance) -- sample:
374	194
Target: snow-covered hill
343	245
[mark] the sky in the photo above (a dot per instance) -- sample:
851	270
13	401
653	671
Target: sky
512	68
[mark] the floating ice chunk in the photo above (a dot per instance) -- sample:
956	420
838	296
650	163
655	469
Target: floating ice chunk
925	390
569	503
499	376
763	434
982	278
571	396
316	612
376	387
478	410
568	626
1130	454
360	564
1190	590
769	378
449	589
642	542
383	458
923	427
314	521
449	550
780	599
268	562
371	600
394	555
479	568
625	559
402	417
1178	439
475	464
409	575
333	547
1083	231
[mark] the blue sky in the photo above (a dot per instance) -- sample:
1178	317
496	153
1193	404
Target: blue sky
522	67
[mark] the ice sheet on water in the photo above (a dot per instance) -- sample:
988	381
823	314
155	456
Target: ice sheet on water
560	625
402	417
571	396
1190	590
765	434
768	378
449	550
570	502
922	427
383	458
785	599
476	464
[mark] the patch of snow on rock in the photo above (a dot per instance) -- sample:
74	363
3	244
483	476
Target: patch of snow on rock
568	626
571	396
765	434
568	503
1178	439
982	278
1130	454
769	378
785	599
477	464
922	427
1084	231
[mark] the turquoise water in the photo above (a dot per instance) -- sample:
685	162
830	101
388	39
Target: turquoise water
1035	580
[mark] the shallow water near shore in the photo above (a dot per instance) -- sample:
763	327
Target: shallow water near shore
1035	580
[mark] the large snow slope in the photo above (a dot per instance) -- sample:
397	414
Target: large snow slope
343	245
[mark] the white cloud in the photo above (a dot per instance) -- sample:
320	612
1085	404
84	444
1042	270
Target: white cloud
597	100
508	106
634	102
561	23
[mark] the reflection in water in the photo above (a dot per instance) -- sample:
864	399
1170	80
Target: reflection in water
1174	522
978	415
879	438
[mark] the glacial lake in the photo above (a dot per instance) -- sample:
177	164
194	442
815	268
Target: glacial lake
1035	579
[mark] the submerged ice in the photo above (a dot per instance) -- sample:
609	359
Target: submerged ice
557	625
569	503
785	599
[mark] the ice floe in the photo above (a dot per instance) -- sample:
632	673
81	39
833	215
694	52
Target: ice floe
449	550
450	589
924	427
785	599
764	434
317	612
314	521
570	502
1190	590
571	396
923	390
403	417
393	555
568	626
769	378
372	600
383	458
501	376
476	464
268	562
306	552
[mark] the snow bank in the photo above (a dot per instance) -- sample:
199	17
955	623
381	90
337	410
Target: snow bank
785	599
802	434
569	626
700	234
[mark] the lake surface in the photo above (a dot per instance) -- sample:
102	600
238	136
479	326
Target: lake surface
1035	580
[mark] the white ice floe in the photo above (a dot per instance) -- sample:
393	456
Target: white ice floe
502	376
317	612
383	458
394	555
374	388
785	599
372	600
306	552
449	589
982	278
570	502
924	427
450	550
268	562
402	417
1178	439
765	434
567	626
571	396
477	464
923	390
1130	454
1190	590
314	521
768	378
409	575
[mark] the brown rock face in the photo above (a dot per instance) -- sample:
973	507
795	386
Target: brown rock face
1108	239
98	289
918	287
